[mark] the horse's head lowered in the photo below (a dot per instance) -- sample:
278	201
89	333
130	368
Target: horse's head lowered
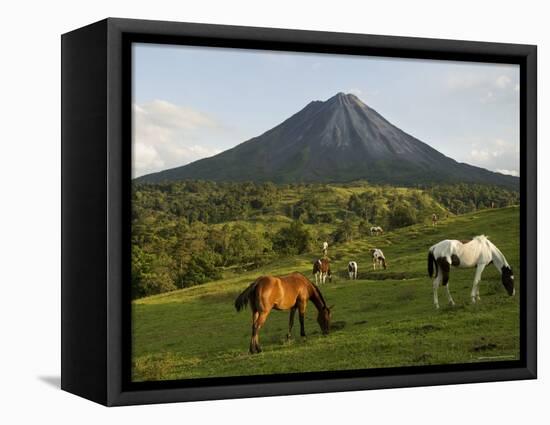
323	318
507	275
325	268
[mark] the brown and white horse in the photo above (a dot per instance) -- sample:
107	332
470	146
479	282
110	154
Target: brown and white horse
321	270
478	253
290	292
376	230
378	258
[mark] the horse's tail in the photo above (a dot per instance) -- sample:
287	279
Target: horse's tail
431	264
245	297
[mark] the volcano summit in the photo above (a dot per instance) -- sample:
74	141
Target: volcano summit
338	140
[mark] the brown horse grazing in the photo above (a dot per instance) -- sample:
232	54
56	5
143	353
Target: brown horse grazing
290	292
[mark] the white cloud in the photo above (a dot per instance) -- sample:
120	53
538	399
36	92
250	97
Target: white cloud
497	155
503	81
146	157
166	135
357	92
486	87
509	172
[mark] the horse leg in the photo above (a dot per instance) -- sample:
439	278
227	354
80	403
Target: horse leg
257	325
475	287
436	282
252	348
290	323
301	316
449	297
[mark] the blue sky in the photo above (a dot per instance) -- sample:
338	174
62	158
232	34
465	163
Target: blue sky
193	102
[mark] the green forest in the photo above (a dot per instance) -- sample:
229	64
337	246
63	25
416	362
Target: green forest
188	233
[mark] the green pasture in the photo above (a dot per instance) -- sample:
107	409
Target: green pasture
384	319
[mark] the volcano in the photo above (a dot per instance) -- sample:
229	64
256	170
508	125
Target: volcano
338	140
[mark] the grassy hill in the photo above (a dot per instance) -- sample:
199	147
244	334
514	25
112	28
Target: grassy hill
384	319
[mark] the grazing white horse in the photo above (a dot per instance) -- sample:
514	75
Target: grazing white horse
378	258
352	270
325	248
478	253
376	230
321	270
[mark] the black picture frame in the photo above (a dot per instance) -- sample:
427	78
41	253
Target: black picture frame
96	161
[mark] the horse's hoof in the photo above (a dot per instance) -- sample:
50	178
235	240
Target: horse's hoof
437	306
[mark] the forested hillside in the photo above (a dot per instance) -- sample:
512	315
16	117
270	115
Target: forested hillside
188	233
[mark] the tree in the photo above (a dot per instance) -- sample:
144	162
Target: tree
345	232
294	239
402	215
150	273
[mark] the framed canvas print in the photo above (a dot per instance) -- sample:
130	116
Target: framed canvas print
252	212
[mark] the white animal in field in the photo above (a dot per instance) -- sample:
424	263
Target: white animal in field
352	270
376	230
478	252
378	258
325	248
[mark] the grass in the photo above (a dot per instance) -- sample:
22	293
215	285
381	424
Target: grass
384	319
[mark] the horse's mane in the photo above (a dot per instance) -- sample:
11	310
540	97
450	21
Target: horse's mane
315	288
481	238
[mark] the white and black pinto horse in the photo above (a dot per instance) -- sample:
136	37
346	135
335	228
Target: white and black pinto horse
352	270
321	270
378	258
478	253
376	230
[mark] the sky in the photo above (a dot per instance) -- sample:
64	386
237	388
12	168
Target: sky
194	102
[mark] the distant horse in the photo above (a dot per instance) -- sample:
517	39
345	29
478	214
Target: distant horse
378	258
325	248
321	270
290	292
435	219
376	230
478	253
352	270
